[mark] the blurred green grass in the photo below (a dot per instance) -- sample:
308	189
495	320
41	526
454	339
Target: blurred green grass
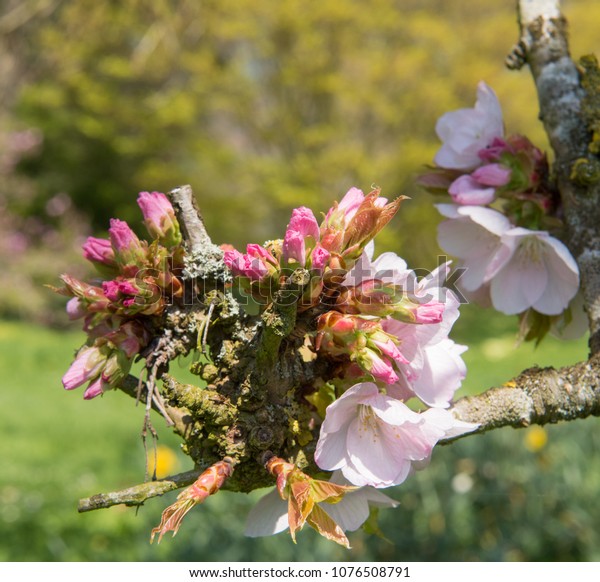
505	495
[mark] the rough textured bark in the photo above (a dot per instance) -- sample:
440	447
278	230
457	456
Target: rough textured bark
536	396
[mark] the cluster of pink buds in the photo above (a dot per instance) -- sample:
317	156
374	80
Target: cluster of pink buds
332	247
138	280
363	340
503	223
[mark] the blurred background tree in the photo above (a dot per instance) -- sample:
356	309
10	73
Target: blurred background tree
260	105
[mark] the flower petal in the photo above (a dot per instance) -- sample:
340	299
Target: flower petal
268	517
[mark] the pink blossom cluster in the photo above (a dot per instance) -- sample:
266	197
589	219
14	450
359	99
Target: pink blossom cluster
322	249
503	223
369	433
137	280
388	332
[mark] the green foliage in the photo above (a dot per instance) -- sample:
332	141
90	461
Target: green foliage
260	105
490	497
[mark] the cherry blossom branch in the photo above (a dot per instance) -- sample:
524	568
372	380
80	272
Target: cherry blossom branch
138	494
562	101
536	396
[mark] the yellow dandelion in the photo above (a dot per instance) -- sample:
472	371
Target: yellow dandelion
167	462
536	438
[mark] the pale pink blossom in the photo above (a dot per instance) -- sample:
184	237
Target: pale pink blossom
522	268
467	131
474	235
270	514
434	368
431	367
377	440
537	271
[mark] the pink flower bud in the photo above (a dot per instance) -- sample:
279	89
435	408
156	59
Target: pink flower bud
350	203
159	218
125	243
75	309
99	250
131	337
304	222
350	225
259	252
493	151
95	388
244	265
384	343
294	248
431	312
492	175
341	213
466	190
380	367
87	365
111	290
319	258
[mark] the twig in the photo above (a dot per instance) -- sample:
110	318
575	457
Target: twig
204	260
137	494
191	223
179	417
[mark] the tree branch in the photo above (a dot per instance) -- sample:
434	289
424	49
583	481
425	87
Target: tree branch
536	396
203	258
561	99
137	494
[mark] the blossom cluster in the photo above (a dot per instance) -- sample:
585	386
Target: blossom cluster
386	330
504	221
119	310
323	250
